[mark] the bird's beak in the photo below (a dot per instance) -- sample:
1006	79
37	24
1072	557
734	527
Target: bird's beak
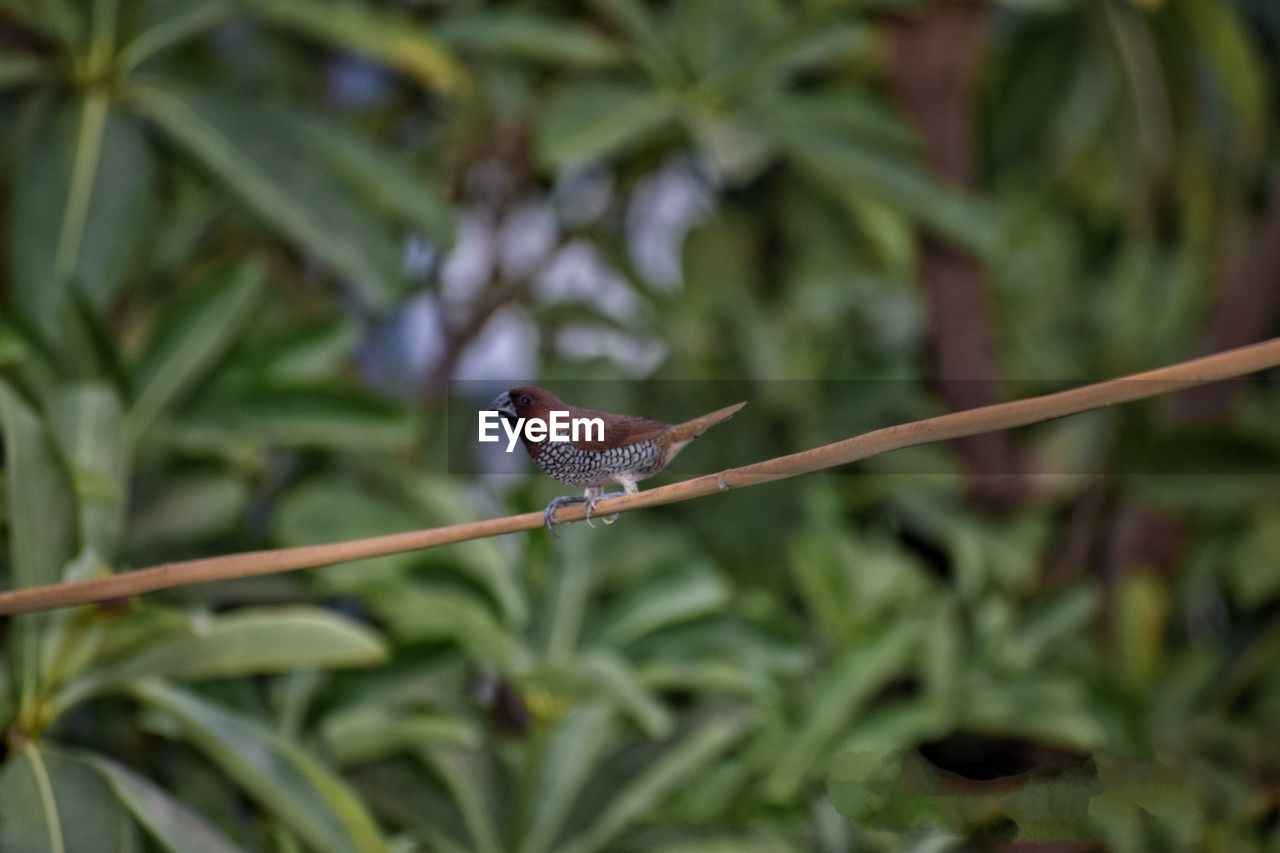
502	405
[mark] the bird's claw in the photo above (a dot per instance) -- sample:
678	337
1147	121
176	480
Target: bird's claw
548	514
591	507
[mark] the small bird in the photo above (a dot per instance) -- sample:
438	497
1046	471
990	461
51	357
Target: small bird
632	448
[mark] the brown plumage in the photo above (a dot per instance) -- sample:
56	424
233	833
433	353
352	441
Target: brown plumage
631	449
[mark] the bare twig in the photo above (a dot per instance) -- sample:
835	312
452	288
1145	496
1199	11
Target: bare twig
1177	377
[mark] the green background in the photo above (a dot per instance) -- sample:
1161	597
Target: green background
248	245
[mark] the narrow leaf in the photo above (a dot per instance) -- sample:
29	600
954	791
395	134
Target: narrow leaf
675	767
465	774
531	37
376	175
171	24
16	70
420	612
619	682
251	642
190	337
41	508
54	803
31	819
331	509
855	173
247	147
59	20
850	683
666	601
287	781
328	415
592	120
90	428
374	33
573	748
74	220
39	494
371	733
168	821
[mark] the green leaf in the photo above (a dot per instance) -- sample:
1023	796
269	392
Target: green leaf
466	775
571	751
674	768
567	604
287	781
374	33
1166	800
16	70
737	151
849	684
300	350
251	642
529	36
855	172
81	207
332	509
170	23
590	120
612	676
71	638
886	789
650	48
249	149
42	511
372	733
325	416
186	510
483	561
31	818
190	337
820	43
53	803
630	16
420	612
40	498
663	602
406	795
90	428
59	20
1229	56
375	175
172	824
836	113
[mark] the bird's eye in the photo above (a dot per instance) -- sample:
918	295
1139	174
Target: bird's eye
525	400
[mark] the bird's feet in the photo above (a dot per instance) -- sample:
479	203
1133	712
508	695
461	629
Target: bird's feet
591	507
548	514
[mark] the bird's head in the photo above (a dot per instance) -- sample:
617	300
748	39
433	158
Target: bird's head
525	401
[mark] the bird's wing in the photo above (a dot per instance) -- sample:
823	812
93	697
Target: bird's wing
620	430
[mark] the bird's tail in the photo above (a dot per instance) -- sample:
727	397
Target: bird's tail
681	434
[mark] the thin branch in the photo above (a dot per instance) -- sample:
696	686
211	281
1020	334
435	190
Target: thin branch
1177	377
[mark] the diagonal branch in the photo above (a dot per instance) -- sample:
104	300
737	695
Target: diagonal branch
1164	380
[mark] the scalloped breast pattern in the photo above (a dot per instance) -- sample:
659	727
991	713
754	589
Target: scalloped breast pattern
575	467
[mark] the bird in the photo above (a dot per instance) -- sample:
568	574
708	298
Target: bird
631	449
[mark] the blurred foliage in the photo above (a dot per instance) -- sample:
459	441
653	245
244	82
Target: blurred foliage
247	244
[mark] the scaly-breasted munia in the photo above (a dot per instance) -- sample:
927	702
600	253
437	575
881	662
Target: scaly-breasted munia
632	448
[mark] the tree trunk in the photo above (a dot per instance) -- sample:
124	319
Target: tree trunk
932	72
